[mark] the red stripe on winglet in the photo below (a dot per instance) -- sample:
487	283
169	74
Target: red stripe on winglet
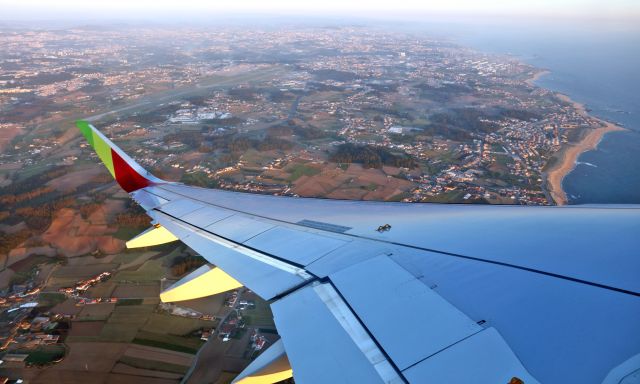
128	178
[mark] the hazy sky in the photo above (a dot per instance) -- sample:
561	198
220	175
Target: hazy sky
612	9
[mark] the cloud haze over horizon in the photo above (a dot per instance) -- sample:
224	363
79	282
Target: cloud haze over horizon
127	9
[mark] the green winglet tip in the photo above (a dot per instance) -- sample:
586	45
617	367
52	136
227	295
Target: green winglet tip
85	128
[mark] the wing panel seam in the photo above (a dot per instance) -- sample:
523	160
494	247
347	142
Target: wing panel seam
494	262
235	244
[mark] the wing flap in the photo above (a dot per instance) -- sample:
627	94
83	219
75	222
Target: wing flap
482	358
326	343
382	293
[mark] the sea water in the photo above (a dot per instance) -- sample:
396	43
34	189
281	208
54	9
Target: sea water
594	63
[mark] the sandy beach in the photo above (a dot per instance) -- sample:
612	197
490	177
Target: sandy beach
531	81
569	155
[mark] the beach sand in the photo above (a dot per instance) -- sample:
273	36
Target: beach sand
569	155
531	81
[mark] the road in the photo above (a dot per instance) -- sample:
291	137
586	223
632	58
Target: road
207	365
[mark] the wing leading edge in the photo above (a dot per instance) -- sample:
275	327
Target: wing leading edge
415	303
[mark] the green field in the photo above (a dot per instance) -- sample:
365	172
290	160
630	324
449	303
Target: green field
51	298
153	365
128	319
104	289
119	332
136	310
299	170
32	171
151	270
175	325
199	179
128	302
495	147
95	312
128	257
127	233
170	342
46	354
58	282
504	160
79	272
259	316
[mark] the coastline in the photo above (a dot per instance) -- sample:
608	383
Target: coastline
570	153
536	76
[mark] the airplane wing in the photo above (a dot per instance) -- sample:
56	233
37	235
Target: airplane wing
366	292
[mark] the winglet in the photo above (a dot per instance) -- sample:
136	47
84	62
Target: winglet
129	174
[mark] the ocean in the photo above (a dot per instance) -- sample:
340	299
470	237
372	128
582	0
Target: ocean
597	64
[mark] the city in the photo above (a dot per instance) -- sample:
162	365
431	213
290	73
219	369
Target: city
475	126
